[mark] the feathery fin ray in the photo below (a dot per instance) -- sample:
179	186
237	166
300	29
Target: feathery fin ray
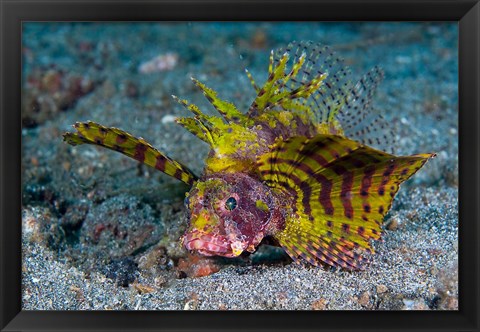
309	78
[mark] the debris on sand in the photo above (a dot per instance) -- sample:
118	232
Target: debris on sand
162	62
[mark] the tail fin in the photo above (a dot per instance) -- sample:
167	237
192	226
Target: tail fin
136	148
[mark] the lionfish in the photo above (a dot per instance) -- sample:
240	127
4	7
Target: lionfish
297	167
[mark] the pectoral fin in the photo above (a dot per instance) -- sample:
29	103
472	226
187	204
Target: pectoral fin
133	147
343	189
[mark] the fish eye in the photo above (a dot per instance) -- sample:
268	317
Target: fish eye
230	203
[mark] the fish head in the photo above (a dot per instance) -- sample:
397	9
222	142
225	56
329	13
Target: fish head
228	214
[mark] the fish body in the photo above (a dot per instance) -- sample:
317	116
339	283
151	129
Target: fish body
296	166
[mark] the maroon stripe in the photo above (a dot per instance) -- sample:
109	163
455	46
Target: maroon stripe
160	163
346	192
280	148
273	160
366	207
319	159
314	154
333	152
369	156
307	192
326	188
357	163
191	179
178	174
121	138
386	177
339	169
140	150
367	180
324	197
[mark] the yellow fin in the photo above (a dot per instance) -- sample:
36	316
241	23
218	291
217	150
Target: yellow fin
342	190
225	108
133	147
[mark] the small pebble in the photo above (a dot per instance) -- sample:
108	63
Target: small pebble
320	304
393	224
160	63
364	299
381	289
159	281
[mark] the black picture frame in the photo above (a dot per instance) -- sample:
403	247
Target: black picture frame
14	12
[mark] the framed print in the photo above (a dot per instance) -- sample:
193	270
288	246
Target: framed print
204	165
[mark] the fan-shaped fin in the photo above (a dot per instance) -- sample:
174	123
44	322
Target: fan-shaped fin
314	81
308	78
342	190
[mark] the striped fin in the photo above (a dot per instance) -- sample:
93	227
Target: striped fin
225	108
252	81
315	81
201	125
342	189
284	87
123	142
309	78
195	126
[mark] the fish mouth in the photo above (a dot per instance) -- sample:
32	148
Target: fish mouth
209	244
